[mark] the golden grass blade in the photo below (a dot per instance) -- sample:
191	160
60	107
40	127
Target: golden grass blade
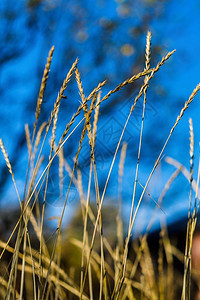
186	105
146	81
119	142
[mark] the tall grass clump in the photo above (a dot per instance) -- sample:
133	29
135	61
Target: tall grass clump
84	261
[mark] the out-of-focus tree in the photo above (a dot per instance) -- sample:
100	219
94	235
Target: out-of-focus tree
107	36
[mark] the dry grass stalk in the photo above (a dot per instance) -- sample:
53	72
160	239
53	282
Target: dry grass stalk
65	132
85	231
186	105
191	147
5	154
61	92
148	51
122	162
191	163
61	172
54	115
85	220
126	82
41	182
119	222
38	108
43	84
75	164
166	241
80	85
55	119
95	91
28	138
35	173
81	194
77	154
13	273
117	148
92	136
96	257
37	141
96	117
191	225
146	81
56	108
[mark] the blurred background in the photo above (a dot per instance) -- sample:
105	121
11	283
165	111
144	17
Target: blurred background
109	38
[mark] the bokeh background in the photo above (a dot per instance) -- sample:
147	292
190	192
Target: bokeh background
108	37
